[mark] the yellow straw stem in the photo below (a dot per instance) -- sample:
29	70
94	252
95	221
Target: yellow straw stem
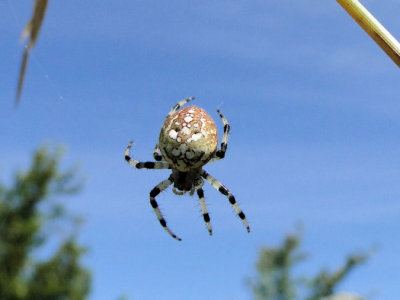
374	29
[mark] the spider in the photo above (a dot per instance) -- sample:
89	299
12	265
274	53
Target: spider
188	140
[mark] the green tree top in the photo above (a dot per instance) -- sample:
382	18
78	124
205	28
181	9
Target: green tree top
275	279
22	220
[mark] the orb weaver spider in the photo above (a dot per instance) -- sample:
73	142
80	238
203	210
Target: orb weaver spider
188	140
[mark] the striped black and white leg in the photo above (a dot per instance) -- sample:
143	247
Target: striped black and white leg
179	104
204	210
224	144
144	165
157	154
223	190
154	192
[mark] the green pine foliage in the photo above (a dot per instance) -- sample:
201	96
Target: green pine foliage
23	218
61	277
275	279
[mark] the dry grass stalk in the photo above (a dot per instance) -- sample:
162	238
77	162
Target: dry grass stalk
31	31
374	29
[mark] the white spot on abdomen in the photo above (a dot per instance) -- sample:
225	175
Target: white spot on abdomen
185	131
172	134
188	119
196	137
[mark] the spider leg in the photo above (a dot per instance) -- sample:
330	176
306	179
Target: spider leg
178	192
223	190
178	105
145	165
154	192
224	144
204	210
156	153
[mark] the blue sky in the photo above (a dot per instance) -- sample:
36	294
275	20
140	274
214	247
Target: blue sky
314	109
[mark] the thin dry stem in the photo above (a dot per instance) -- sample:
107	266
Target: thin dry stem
30	31
374	29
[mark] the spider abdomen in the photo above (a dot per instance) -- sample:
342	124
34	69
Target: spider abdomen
188	138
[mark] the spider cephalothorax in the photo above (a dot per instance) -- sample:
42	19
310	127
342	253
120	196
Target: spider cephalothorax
188	140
